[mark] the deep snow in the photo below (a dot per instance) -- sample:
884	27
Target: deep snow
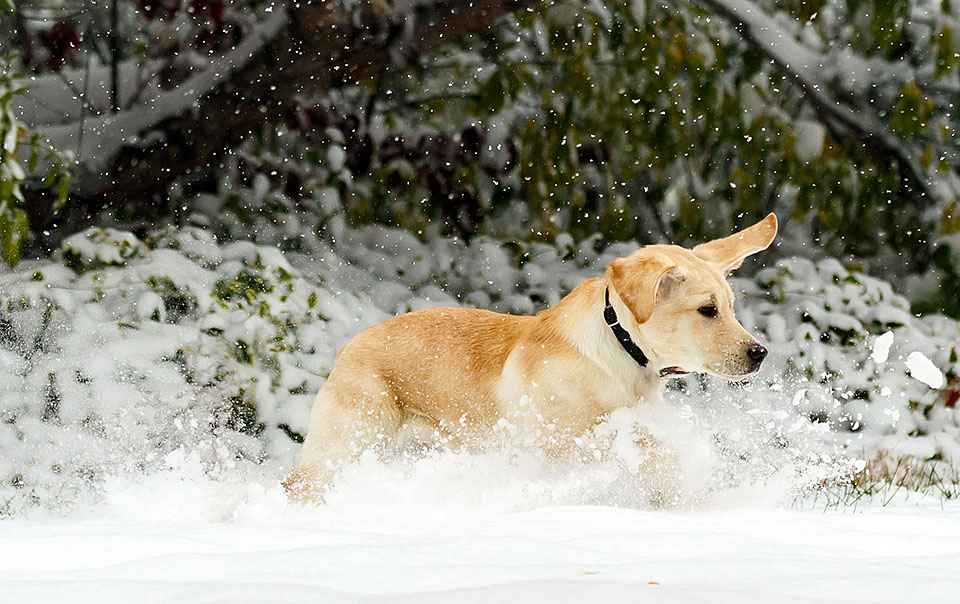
176	536
502	524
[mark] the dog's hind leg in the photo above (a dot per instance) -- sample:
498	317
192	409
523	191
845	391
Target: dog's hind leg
344	422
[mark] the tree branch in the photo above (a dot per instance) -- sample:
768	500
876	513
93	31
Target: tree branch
799	63
312	46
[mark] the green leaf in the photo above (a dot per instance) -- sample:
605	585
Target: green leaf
887	18
950	222
7	185
63	190
492	93
945	55
13	232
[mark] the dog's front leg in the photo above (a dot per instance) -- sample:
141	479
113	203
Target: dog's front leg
660	469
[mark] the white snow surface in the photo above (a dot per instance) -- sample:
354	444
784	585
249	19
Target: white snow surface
924	370
179	536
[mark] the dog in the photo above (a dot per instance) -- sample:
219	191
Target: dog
457	372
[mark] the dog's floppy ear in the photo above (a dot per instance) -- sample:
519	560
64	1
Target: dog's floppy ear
639	277
727	254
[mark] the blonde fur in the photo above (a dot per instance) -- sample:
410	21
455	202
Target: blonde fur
456	372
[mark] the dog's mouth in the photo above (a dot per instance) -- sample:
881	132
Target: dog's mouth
735	377
675	370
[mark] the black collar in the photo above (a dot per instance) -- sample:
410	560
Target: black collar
610	317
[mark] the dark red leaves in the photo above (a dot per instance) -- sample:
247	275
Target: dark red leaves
61	42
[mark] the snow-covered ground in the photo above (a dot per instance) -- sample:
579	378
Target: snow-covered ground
153	392
501	524
178	537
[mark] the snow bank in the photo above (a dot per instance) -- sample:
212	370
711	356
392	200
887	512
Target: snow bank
136	547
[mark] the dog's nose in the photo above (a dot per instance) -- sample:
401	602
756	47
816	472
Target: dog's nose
757	353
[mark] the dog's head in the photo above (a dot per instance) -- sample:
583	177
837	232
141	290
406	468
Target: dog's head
682	307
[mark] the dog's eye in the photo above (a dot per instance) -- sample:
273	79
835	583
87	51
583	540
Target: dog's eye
708	311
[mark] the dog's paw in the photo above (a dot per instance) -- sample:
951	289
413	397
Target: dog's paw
305	486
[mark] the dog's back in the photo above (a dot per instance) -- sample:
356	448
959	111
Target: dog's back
441	363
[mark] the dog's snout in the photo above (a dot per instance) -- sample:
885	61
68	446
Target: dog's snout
757	353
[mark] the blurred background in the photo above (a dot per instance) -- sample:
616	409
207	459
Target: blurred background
642	120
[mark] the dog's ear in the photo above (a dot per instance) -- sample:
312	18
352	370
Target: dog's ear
728	254
639	278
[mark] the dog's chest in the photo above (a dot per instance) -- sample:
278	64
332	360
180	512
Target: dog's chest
568	393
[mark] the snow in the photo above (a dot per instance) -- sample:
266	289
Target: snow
810	136
881	347
180	536
924	370
139	486
853	72
50	98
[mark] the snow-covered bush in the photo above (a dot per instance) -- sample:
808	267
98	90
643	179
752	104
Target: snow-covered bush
121	351
859	355
14	224
121	354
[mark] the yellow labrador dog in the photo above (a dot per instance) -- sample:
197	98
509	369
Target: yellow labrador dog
457	372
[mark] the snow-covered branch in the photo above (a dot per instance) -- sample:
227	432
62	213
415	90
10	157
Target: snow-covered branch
296	48
804	66
98	140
